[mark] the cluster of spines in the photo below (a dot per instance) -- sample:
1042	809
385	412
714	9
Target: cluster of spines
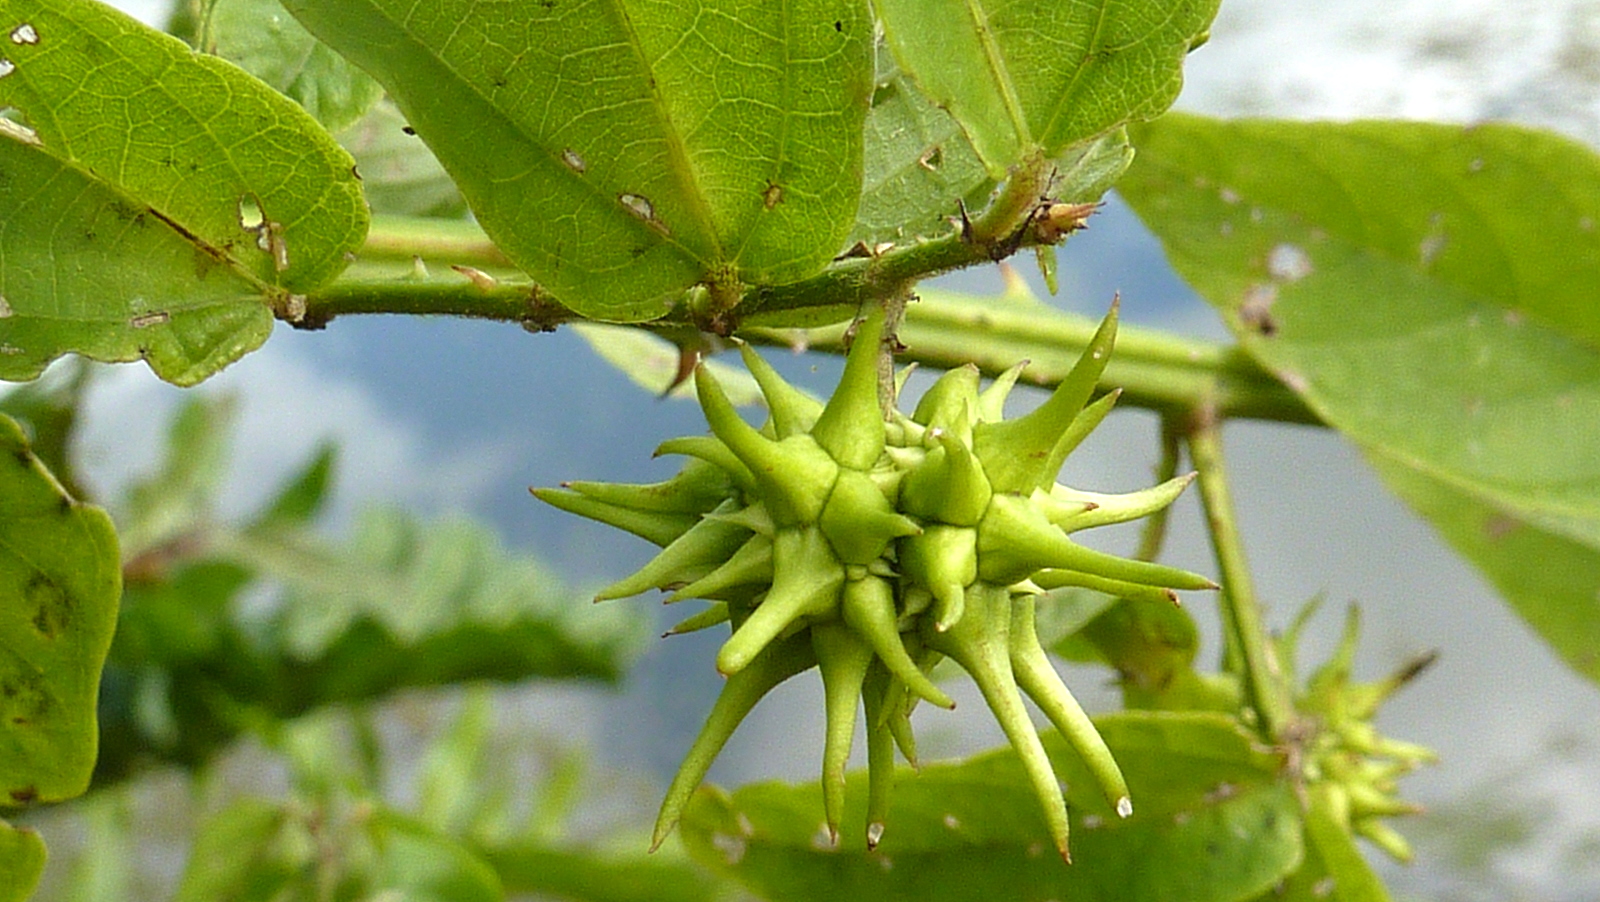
872	546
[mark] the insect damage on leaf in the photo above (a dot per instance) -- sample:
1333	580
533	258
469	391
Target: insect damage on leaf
872	547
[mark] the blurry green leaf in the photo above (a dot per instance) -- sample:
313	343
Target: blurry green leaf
400	175
455	785
1428	290
1211	822
1041	75
581	875
653	363
22	857
422	865
301	498
264	40
105	866
178	497
60	578
47	409
237	856
1334	870
157	203
620	153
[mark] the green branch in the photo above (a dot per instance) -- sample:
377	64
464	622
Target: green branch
429	267
1250	648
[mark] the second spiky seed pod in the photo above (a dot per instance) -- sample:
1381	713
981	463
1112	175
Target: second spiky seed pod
872	546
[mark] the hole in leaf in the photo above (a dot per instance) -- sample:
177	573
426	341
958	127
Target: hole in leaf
146	320
24	34
573	161
6	67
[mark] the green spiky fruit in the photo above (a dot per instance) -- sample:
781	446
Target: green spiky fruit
872	546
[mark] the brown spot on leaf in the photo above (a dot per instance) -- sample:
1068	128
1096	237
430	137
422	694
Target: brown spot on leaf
1498	526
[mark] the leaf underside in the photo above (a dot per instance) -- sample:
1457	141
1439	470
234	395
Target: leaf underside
156	202
1428	289
622	151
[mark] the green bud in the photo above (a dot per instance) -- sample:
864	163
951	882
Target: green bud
806	582
793	411
948	486
1017	453
654	527
692	555
750	565
851	426
717	613
944	560
859	522
1073	510
739	696
843	659
951	403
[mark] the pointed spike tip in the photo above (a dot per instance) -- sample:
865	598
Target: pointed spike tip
874	834
1124	807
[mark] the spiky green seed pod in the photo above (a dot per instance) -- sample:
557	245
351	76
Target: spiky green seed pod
874	546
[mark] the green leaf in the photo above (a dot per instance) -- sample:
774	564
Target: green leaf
158	204
1210	822
917	164
22	858
263	39
400	175
1039	76
623	152
1428	290
60	578
238	855
1551	580
303	495
420	864
583	875
151	292
1334	870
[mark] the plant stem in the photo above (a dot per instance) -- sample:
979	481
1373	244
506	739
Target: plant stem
1156	370
1266	685
1159	371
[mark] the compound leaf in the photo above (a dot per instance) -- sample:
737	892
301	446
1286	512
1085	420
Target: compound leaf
1428	290
60	578
623	151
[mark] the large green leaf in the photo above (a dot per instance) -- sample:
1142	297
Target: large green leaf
1040	76
623	151
60	578
154	203
1210	822
1428	290
264	40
